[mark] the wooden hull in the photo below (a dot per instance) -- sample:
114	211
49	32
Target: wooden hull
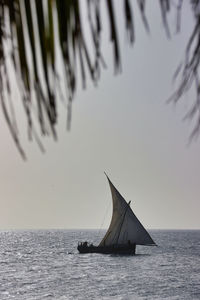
115	249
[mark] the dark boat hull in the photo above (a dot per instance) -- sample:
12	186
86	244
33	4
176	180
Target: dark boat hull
115	249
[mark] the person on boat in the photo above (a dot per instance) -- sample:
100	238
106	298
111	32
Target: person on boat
131	245
85	244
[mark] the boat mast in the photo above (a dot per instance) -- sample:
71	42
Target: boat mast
128	204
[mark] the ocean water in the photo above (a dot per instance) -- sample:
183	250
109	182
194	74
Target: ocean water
45	264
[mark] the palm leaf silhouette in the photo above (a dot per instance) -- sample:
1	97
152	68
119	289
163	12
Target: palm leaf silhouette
37	29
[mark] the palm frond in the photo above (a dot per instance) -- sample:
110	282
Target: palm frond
36	29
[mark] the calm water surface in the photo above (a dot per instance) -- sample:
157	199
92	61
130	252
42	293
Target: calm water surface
46	265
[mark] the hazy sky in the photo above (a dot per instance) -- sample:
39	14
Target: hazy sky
123	127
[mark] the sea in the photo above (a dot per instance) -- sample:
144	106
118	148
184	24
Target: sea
45	264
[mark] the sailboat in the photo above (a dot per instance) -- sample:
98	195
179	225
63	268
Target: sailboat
124	233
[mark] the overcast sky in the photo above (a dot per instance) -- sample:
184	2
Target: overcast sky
123	127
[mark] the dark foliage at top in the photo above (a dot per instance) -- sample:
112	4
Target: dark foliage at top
33	33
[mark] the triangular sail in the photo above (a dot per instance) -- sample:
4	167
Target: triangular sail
124	227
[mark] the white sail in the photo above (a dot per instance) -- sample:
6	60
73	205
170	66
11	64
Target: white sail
124	227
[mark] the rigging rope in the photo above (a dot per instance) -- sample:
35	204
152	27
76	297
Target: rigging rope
102	223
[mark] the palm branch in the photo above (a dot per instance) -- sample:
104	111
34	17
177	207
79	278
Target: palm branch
34	33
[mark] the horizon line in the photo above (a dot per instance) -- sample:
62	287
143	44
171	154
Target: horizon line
102	229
